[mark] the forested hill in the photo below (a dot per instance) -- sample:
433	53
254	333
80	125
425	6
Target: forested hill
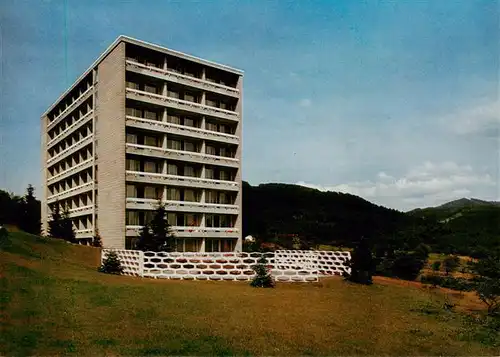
467	227
317	217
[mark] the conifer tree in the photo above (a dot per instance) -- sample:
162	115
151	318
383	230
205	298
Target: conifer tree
361	263
111	264
30	212
263	278
157	235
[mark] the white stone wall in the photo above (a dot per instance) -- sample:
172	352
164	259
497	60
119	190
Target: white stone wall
285	265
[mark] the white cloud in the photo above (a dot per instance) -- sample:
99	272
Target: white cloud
428	184
305	102
483	120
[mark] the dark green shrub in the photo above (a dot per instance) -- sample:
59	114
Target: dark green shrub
448	282
451	264
263	278
362	263
111	264
436	265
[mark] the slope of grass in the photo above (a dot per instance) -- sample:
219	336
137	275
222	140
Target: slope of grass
55	302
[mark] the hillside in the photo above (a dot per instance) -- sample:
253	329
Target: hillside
317	217
54	302
464	226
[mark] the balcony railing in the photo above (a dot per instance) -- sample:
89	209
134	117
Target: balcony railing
76	212
181	104
185	181
182	155
183	206
182	79
202	232
183	130
71	192
72	170
77	124
70	108
71	150
84	233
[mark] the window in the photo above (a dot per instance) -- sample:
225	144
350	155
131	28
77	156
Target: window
211	126
150	192
211	103
150	89
150	166
192	245
188	122
189	171
173	94
210	196
191	220
174	119
133	165
223	198
173	194
223	105
189	195
189	97
131	138
189	146
148	216
132	85
210	150
224	221
223	128
174	144
151	141
224	175
209	220
209	174
171	218
223	152
132	218
172	169
150	115
131	191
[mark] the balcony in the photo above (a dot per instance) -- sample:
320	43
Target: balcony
188	156
188	232
184	181
85	95
71	192
70	150
181	79
181	104
84	233
77	212
182	206
76	125
72	170
170	128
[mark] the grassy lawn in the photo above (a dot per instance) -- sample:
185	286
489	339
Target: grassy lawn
55	302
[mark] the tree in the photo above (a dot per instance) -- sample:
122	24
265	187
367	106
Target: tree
451	264
436	265
61	225
30	212
97	241
157	235
362	263
263	278
111	264
488	280
55	222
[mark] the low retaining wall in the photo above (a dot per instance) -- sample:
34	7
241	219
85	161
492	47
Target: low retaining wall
285	265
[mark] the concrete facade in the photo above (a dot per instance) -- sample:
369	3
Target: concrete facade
146	124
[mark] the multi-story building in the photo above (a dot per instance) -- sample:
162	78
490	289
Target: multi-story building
142	124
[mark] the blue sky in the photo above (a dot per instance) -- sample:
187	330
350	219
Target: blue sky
394	101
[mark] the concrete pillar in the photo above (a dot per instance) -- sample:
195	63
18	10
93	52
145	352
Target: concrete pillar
203	98
203	123
202	248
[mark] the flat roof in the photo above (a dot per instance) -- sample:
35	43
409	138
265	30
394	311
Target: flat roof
127	39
